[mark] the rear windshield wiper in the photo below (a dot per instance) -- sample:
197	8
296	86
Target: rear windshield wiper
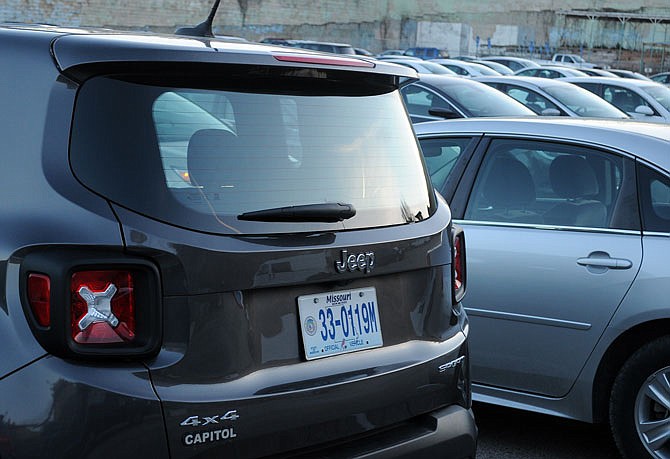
328	212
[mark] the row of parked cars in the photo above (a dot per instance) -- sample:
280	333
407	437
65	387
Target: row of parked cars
563	217
221	250
541	89
635	94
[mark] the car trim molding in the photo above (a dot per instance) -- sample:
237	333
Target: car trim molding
529	319
549	227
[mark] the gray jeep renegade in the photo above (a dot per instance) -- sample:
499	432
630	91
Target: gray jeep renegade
220	249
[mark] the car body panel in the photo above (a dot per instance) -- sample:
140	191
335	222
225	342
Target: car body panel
538	342
228	373
583	346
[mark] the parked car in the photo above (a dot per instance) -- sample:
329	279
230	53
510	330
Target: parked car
628	74
426	52
514	63
363	52
572	60
663	78
466	68
552	97
294	290
276	41
435	97
391	52
599	72
498	67
568	227
547	71
422	66
646	100
326	47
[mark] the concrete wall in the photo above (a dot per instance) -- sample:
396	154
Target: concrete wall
373	24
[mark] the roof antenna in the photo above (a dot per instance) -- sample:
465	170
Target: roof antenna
204	29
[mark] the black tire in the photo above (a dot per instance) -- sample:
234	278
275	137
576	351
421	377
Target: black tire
630	404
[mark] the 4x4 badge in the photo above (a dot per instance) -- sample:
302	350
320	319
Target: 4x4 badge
364	261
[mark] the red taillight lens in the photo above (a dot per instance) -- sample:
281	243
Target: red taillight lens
39	292
102	307
458	263
458	267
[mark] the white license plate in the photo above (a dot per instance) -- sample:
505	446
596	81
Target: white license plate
339	322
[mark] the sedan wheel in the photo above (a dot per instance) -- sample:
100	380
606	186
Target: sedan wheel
640	403
652	413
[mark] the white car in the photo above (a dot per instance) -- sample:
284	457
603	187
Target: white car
641	99
551	97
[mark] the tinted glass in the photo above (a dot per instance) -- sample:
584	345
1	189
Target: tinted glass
528	72
583	102
654	200
622	98
419	100
441	156
478	99
546	183
199	158
536	102
660	93
436	68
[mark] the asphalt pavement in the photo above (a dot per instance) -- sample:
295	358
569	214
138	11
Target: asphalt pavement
506	433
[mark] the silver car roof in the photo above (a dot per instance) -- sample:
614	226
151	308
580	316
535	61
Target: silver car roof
649	141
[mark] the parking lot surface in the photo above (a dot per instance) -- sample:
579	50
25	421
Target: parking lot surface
506	433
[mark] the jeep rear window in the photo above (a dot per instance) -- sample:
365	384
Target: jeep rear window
200	154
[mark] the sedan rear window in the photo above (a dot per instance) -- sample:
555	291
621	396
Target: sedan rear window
202	157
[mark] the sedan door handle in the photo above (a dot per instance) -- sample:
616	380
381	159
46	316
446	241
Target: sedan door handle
611	263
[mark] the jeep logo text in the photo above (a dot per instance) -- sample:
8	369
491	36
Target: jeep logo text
355	262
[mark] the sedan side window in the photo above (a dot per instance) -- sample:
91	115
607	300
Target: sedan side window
654	200
419	100
530	99
623	98
441	156
546	183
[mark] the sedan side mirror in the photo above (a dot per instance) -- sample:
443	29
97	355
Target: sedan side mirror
550	112
644	110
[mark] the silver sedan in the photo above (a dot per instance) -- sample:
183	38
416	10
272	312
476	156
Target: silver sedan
567	224
642	99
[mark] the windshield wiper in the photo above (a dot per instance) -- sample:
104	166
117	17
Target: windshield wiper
328	212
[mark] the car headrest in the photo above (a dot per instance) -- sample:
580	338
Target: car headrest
571	177
509	183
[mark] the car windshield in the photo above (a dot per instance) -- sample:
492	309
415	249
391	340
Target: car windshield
660	93
436	68
484	70
201	157
478	99
583	102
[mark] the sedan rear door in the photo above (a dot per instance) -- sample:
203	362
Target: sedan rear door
553	246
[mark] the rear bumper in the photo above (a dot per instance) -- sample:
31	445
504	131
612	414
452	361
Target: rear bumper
450	432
